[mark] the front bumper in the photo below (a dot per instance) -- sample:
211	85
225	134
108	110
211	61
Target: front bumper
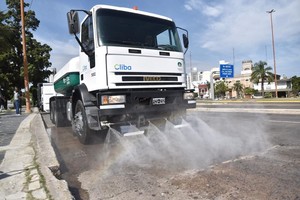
139	107
141	102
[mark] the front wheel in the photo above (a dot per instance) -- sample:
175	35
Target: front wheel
81	127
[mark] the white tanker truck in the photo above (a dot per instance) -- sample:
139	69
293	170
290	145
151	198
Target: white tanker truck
130	70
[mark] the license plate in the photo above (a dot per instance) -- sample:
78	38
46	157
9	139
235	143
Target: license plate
158	101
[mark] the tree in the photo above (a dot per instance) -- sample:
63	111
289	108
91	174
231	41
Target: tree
220	89
208	85
249	91
295	85
238	87
261	74
11	59
6	45
6	35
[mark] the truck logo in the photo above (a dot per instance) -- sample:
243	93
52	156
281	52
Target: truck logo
151	78
66	80
122	67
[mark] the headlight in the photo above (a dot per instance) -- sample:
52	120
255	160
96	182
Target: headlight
188	96
113	99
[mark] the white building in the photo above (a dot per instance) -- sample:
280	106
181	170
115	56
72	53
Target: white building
199	80
284	87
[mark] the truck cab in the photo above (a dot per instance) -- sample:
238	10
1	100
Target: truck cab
131	69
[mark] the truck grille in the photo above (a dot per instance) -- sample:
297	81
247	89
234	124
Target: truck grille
144	78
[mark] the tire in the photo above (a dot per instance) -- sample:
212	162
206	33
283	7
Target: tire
52	110
82	130
59	119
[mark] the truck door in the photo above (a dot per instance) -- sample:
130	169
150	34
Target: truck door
87	62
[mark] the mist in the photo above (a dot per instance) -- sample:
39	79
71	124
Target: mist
140	164
200	143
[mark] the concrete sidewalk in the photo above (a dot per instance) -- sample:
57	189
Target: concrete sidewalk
30	167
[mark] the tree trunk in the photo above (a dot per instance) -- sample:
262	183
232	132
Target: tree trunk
262	89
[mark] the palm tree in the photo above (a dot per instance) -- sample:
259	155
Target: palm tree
261	74
208	85
220	89
238	87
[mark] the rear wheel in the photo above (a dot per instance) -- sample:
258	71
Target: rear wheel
52	110
57	117
81	124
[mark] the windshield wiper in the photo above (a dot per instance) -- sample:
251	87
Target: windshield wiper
131	43
167	47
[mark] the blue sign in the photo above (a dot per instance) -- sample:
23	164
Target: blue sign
226	71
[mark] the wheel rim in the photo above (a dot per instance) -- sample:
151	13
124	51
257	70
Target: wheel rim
78	122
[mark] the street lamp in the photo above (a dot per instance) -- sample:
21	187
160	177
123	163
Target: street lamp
275	77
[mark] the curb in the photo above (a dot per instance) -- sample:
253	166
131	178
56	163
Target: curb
47	161
26	170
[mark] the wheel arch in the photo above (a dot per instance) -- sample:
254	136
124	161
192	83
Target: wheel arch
81	93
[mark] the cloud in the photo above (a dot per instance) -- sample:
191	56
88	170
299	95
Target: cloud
62	51
205	9
212	11
193	5
245	27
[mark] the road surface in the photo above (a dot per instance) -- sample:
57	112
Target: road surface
218	156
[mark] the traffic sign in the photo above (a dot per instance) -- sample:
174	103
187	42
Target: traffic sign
226	71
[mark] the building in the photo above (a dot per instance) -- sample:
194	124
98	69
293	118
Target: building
243	78
284	87
202	81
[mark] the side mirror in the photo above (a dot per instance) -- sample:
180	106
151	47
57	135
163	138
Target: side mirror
73	22
185	41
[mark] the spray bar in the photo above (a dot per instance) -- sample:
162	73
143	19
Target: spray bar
180	126
127	134
134	133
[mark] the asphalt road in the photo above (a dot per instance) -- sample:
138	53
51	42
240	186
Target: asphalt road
155	168
9	123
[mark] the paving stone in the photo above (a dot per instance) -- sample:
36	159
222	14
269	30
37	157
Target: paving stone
35	177
33	172
18	195
39	194
34	185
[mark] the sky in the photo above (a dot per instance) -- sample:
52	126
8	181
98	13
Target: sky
230	30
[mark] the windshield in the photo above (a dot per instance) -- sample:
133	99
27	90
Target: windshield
118	28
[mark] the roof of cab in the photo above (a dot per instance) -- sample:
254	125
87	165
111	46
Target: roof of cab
131	10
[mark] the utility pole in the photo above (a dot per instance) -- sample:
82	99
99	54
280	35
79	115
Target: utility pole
26	79
212	89
275	77
233	57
